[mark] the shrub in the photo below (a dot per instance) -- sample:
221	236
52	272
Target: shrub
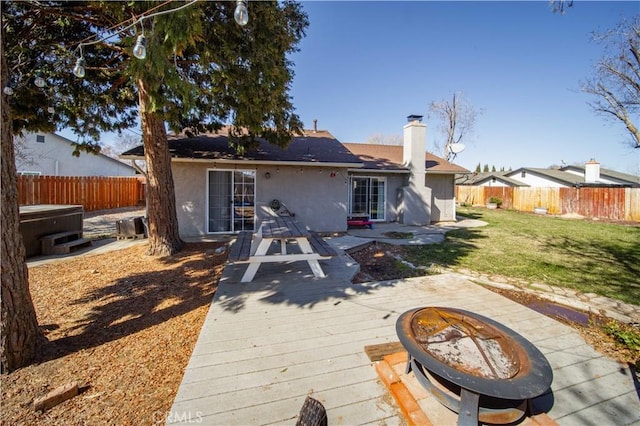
496	200
623	335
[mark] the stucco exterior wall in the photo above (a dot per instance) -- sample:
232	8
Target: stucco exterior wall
318	199
190	183
443	206
53	157
394	183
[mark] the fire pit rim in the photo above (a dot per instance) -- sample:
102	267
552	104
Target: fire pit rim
536	382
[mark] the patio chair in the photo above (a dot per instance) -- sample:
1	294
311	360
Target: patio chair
312	413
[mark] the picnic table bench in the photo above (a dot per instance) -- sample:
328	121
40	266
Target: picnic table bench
321	246
253	248
241	248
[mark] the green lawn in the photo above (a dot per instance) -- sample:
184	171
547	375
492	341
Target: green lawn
585	255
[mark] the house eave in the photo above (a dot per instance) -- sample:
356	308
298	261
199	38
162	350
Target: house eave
256	162
379	171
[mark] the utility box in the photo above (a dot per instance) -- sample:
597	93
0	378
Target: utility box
131	227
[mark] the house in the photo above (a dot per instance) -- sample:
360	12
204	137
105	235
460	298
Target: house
591	175
319	179
51	155
487	179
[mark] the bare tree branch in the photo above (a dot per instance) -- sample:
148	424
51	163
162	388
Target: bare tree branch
616	85
458	119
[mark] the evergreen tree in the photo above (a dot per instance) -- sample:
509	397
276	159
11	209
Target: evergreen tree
201	70
478	168
485	169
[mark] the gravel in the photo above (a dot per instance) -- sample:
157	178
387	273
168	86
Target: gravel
102	223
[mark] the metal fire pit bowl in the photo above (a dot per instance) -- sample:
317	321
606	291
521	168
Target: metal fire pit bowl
474	365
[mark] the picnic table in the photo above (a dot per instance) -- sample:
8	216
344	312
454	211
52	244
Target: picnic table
253	248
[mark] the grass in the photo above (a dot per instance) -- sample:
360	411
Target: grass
584	255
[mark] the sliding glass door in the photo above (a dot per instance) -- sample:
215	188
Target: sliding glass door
230	200
367	197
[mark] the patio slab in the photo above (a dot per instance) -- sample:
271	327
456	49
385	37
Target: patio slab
267	344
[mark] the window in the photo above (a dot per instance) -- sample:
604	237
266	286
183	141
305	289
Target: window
523	174
40	138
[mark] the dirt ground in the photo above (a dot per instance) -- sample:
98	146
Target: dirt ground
121	324
124	325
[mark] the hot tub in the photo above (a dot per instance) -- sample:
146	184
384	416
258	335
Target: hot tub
44	219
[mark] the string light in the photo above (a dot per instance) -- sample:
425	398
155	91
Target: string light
7	91
78	69
140	49
241	14
39	82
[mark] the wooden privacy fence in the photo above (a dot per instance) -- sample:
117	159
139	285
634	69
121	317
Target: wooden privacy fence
603	203
92	192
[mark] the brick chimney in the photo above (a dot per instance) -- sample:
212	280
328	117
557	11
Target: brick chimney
414	199
592	172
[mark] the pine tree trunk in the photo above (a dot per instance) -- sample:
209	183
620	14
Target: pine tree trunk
164	238
18	323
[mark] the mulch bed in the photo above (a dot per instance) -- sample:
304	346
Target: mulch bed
123	324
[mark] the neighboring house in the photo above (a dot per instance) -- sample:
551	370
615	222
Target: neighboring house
51	155
590	175
316	177
592	172
487	179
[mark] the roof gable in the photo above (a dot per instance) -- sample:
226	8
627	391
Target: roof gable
58	139
480	177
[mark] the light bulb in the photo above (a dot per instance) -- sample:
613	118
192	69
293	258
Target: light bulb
78	69
140	49
7	91
51	110
241	15
39	81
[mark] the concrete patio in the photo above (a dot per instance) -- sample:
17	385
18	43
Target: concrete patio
267	344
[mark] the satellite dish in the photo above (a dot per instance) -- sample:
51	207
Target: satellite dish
456	148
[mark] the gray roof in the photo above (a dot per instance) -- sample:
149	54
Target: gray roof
607	173
479	178
314	147
570	179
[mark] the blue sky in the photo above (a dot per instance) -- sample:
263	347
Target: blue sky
364	66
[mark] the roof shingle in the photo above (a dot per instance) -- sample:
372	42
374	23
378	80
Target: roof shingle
313	147
389	157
